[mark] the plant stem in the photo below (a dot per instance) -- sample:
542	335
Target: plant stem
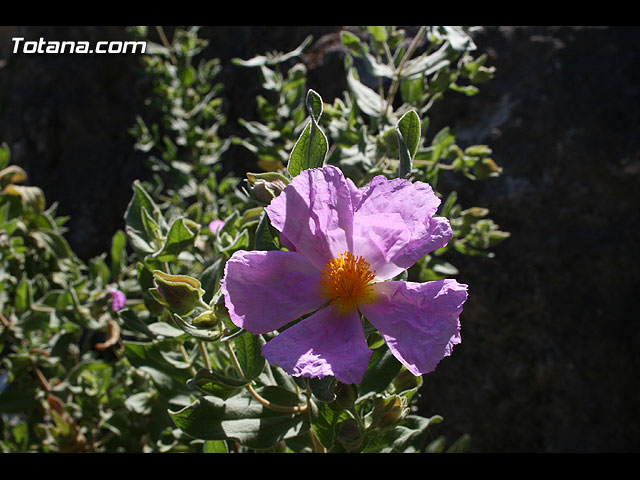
42	379
263	401
396	80
317	446
356	416
165	42
205	354
6	323
274	406
186	359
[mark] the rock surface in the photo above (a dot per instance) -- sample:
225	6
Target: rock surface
549	356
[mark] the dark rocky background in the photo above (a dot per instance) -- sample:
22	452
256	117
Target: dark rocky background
549	359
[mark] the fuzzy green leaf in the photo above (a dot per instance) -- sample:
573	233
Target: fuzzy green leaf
408	131
242	418
213	383
382	369
311	148
181	236
249	354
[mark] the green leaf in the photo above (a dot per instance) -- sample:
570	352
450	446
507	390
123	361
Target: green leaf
412	91
377	32
118	253
353	43
210	279
478	151
368	101
133	322
324	421
20	398
21	436
216	384
468	90
199	333
135	223
274	59
312	145
264	237
32	197
139	403
248	351
383	368
53	242
181	236
458	38
5	155
148	357
408	132
215	446
407	437
241	241
138	242
95	376
427	64
448	204
22	299
461	445
163	329
140	199
187	75
314	105
242	418
322	388
151	227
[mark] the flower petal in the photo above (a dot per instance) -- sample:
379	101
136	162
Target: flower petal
326	343
418	321
118	299
265	290
393	224
315	214
215	225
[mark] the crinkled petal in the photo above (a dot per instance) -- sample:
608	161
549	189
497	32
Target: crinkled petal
315	214
326	343
378	238
265	290
418	321
394	226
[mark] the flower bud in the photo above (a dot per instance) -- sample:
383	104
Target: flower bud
387	412
266	186
206	320
179	293
405	380
349	434
346	396
118	299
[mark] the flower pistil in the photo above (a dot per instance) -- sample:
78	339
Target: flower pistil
347	281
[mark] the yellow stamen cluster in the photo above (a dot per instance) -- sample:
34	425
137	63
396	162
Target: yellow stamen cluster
347	281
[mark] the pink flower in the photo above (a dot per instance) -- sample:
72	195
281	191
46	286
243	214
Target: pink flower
215	225
117	299
347	243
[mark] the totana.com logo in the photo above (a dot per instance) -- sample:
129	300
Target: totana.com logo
69	46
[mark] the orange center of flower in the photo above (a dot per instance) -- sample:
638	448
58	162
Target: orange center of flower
347	281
